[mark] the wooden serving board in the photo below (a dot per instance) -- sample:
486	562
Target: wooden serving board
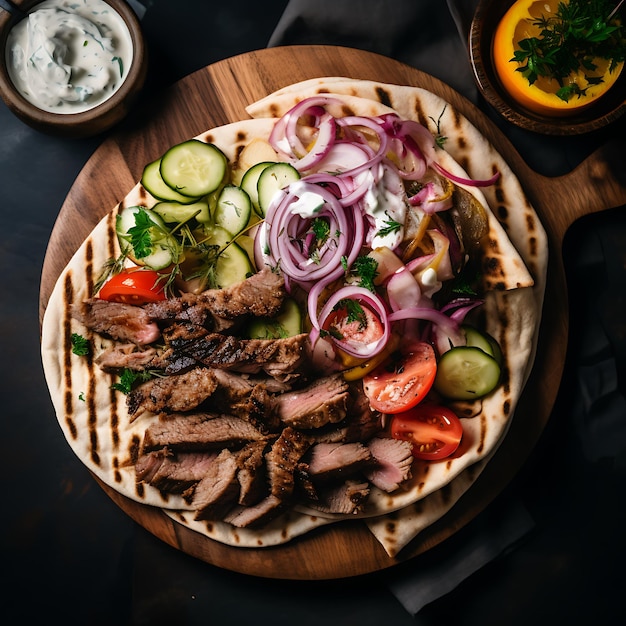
217	95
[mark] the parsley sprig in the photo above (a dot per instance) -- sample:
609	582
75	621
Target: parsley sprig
579	33
128	379
80	345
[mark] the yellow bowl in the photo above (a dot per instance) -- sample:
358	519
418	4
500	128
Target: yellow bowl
594	116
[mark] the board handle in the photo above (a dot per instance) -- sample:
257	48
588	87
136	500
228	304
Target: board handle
597	184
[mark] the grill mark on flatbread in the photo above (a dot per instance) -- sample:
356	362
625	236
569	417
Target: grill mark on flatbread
347	111
237	157
117	476
140	197
483	433
114	422
384	96
111	237
134	447
92	409
390	530
465	163
493	271
68	299
420	115
114	419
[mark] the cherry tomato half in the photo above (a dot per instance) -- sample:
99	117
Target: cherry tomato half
435	431
362	326
399	384
134	286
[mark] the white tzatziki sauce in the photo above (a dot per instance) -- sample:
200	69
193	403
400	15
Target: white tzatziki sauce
68	56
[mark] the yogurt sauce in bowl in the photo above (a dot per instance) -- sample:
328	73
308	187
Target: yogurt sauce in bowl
69	56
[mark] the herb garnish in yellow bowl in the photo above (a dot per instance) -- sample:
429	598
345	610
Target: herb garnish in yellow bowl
556	57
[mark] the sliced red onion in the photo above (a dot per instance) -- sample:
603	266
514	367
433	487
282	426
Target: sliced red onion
471	182
321	144
375	303
446	331
403	291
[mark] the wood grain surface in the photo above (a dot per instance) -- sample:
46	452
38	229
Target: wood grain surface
217	95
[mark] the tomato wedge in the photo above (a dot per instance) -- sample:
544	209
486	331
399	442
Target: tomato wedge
400	384
435	431
134	286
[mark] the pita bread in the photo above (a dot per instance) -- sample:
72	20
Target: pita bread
510	206
99	429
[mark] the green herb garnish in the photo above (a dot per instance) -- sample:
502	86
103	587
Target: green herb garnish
141	235
321	229
580	32
80	345
365	268
129	378
354	311
440	139
390	227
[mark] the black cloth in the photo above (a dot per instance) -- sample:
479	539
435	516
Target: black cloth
70	555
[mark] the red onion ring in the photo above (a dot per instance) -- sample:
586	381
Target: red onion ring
374	303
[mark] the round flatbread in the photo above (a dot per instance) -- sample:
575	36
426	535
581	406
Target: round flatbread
96	421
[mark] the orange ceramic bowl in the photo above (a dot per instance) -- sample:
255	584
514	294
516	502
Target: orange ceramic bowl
528	114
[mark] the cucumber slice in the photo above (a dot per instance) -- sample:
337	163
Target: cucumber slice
233	264
287	323
466	373
176	213
158	249
250	180
273	179
484	341
155	185
194	168
233	209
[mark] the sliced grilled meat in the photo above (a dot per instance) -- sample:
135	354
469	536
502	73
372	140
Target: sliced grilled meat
258	408
124	322
128	356
173	473
329	461
304	486
251	473
148	464
324	401
217	492
218	309
279	358
347	498
262	294
187	308
393	463
258	515
172	394
282	459
199	431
